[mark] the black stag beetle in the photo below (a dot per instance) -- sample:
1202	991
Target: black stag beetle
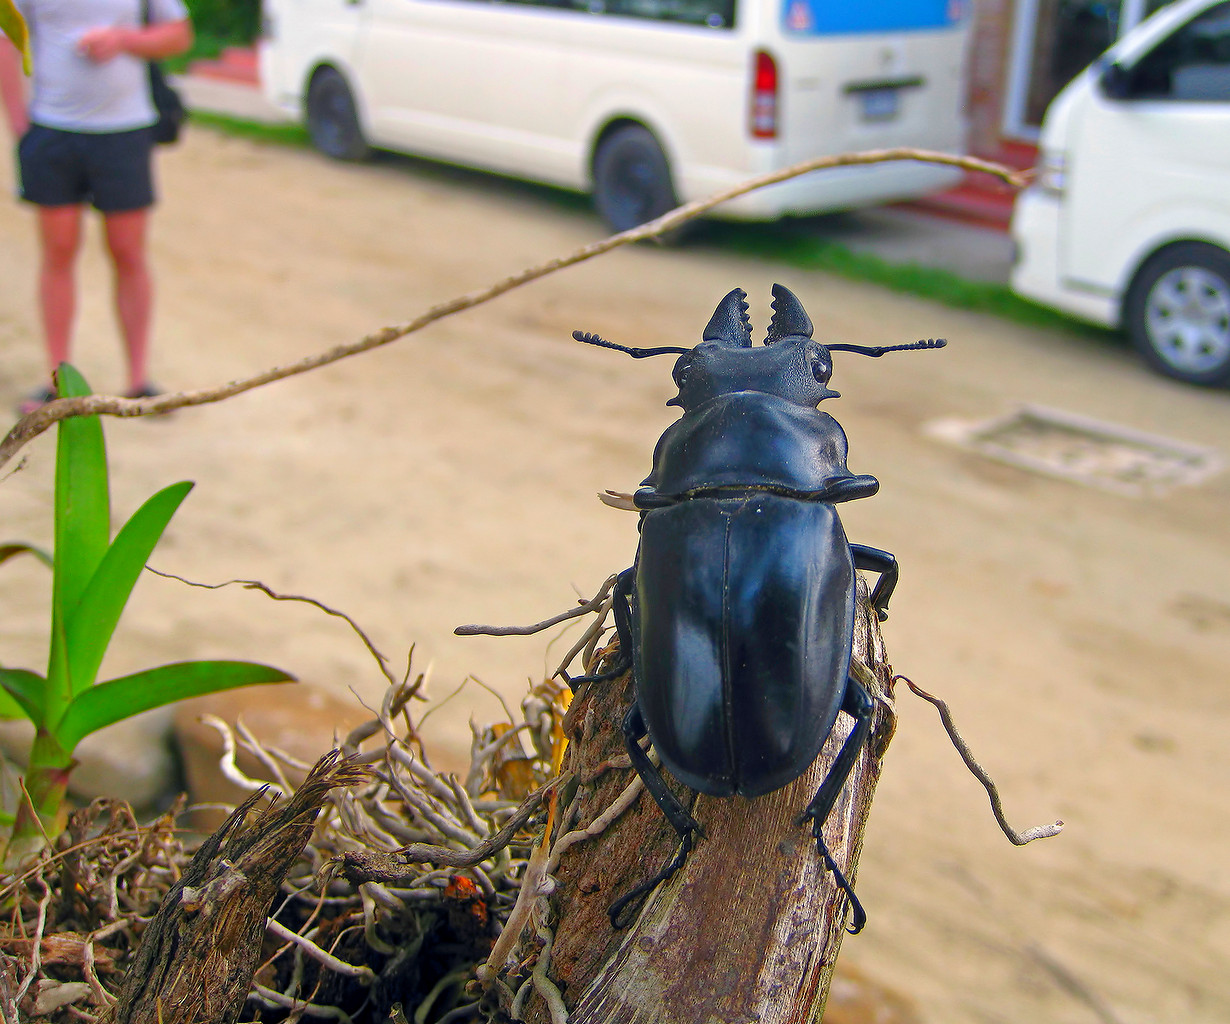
737	618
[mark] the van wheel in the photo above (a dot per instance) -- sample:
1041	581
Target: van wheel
1178	313
332	120
632	180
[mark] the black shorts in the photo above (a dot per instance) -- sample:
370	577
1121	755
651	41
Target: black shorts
111	170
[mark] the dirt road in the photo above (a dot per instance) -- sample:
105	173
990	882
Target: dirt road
1082	637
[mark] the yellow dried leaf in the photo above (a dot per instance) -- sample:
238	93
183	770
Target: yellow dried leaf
516	778
13	25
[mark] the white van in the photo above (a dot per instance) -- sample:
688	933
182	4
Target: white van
1128	223
645	103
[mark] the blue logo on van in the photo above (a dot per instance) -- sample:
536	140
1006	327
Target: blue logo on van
841	17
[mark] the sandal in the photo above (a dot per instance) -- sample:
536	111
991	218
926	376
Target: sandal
36	400
148	390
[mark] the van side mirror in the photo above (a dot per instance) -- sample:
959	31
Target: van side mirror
1114	81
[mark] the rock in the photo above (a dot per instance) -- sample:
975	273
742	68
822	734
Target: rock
131	760
300	719
10	789
854	998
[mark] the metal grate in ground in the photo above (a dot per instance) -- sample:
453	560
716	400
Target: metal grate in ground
1084	450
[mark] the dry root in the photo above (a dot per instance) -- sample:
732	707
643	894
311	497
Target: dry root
403	891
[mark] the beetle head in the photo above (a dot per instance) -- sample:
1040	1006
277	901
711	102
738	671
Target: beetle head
790	364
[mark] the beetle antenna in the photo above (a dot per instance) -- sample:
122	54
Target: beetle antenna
879	350
636	353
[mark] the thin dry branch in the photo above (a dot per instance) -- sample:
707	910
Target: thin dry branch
29	427
274	595
333	963
359	866
583	608
981	774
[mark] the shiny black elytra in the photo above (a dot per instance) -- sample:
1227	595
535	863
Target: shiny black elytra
738	617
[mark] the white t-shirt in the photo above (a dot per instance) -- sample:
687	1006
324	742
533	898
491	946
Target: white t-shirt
70	91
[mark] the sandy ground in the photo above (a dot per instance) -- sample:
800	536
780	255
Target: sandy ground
1082	637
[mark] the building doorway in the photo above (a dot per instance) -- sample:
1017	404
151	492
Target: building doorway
1053	41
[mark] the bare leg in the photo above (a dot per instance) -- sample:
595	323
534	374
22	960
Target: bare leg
60	239
133	288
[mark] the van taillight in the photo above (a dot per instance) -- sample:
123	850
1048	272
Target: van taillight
764	97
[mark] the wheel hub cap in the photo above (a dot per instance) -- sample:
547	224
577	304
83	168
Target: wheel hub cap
1188	319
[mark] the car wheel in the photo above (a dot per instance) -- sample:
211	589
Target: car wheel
632	180
332	119
1178	313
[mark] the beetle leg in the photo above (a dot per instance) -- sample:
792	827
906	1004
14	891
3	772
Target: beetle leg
681	821
623	629
616	909
617	670
858	704
621	608
856	908
885	564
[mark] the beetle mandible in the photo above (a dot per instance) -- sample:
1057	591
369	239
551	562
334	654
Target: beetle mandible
737	617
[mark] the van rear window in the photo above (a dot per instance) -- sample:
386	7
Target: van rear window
713	13
843	17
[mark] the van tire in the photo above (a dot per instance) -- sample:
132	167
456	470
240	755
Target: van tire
333	119
1177	313
632	179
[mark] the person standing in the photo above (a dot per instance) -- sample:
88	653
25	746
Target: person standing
84	138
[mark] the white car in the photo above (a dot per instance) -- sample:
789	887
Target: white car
644	103
1128	222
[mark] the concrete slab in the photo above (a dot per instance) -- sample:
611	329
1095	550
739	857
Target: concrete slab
234	99
906	235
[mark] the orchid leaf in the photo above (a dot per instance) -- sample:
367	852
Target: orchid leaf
83	501
90	625
16	548
13	25
113	701
22	694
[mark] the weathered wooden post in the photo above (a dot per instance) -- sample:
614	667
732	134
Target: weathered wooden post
748	930
196	960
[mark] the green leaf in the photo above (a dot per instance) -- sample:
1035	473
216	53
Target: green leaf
90	625
83	503
58	692
113	701
22	696
13	25
8	551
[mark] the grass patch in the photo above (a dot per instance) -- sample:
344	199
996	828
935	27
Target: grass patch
206	45
793	243
236	21
279	134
